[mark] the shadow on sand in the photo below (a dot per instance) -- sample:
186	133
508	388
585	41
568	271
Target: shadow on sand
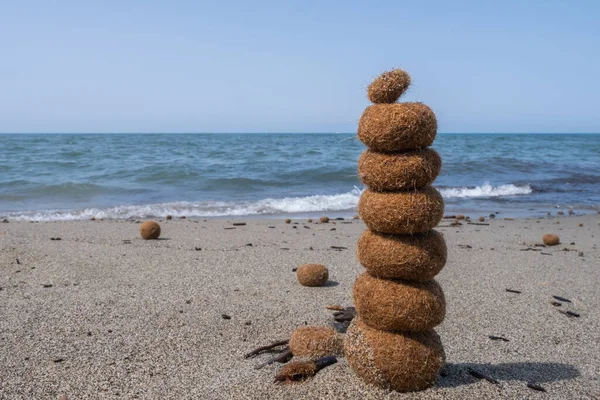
458	374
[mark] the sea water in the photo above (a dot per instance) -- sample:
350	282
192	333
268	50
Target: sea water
79	176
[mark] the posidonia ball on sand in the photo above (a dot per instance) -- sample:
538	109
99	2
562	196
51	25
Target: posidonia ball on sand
550	239
150	230
414	211
316	341
397	305
397	127
417	257
389	86
312	274
401	361
399	171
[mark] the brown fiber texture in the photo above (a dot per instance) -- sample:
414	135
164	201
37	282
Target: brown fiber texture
312	274
550	239
418	257
414	211
397	305
315	342
150	230
389	86
296	371
399	171
397	127
400	361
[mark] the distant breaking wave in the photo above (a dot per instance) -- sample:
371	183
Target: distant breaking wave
290	205
344	202
486	190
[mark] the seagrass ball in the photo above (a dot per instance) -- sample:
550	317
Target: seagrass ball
389	86
398	305
288	221
417	257
150	230
324	219
409	212
399	171
550	239
316	341
397	127
400	361
312	274
169	217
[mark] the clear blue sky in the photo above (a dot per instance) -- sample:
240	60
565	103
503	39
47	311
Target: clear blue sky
295	66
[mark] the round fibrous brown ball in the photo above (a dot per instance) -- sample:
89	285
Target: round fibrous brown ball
287	221
150	230
169	217
389	86
399	171
550	239
324	219
398	305
414	211
417	257
312	274
397	127
401	361
482	219
316	341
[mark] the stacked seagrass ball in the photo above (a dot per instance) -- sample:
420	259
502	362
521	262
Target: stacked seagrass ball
391	343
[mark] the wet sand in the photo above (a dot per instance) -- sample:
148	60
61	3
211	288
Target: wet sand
102	313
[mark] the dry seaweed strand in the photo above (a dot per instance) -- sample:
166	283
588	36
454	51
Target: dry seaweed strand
284	356
268	347
396	305
316	341
389	86
415	211
312	274
397	127
418	257
401	361
399	171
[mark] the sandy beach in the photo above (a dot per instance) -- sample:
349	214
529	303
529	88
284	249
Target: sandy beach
102	313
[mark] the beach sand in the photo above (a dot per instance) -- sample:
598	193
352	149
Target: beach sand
102	313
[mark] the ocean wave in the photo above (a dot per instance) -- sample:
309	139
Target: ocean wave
270	206
486	190
265	207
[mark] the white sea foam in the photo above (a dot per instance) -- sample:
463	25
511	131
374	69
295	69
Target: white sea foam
486	190
289	205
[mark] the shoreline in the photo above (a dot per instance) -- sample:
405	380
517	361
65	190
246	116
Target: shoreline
102	313
474	214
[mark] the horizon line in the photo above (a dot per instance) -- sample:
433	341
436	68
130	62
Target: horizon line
284	133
